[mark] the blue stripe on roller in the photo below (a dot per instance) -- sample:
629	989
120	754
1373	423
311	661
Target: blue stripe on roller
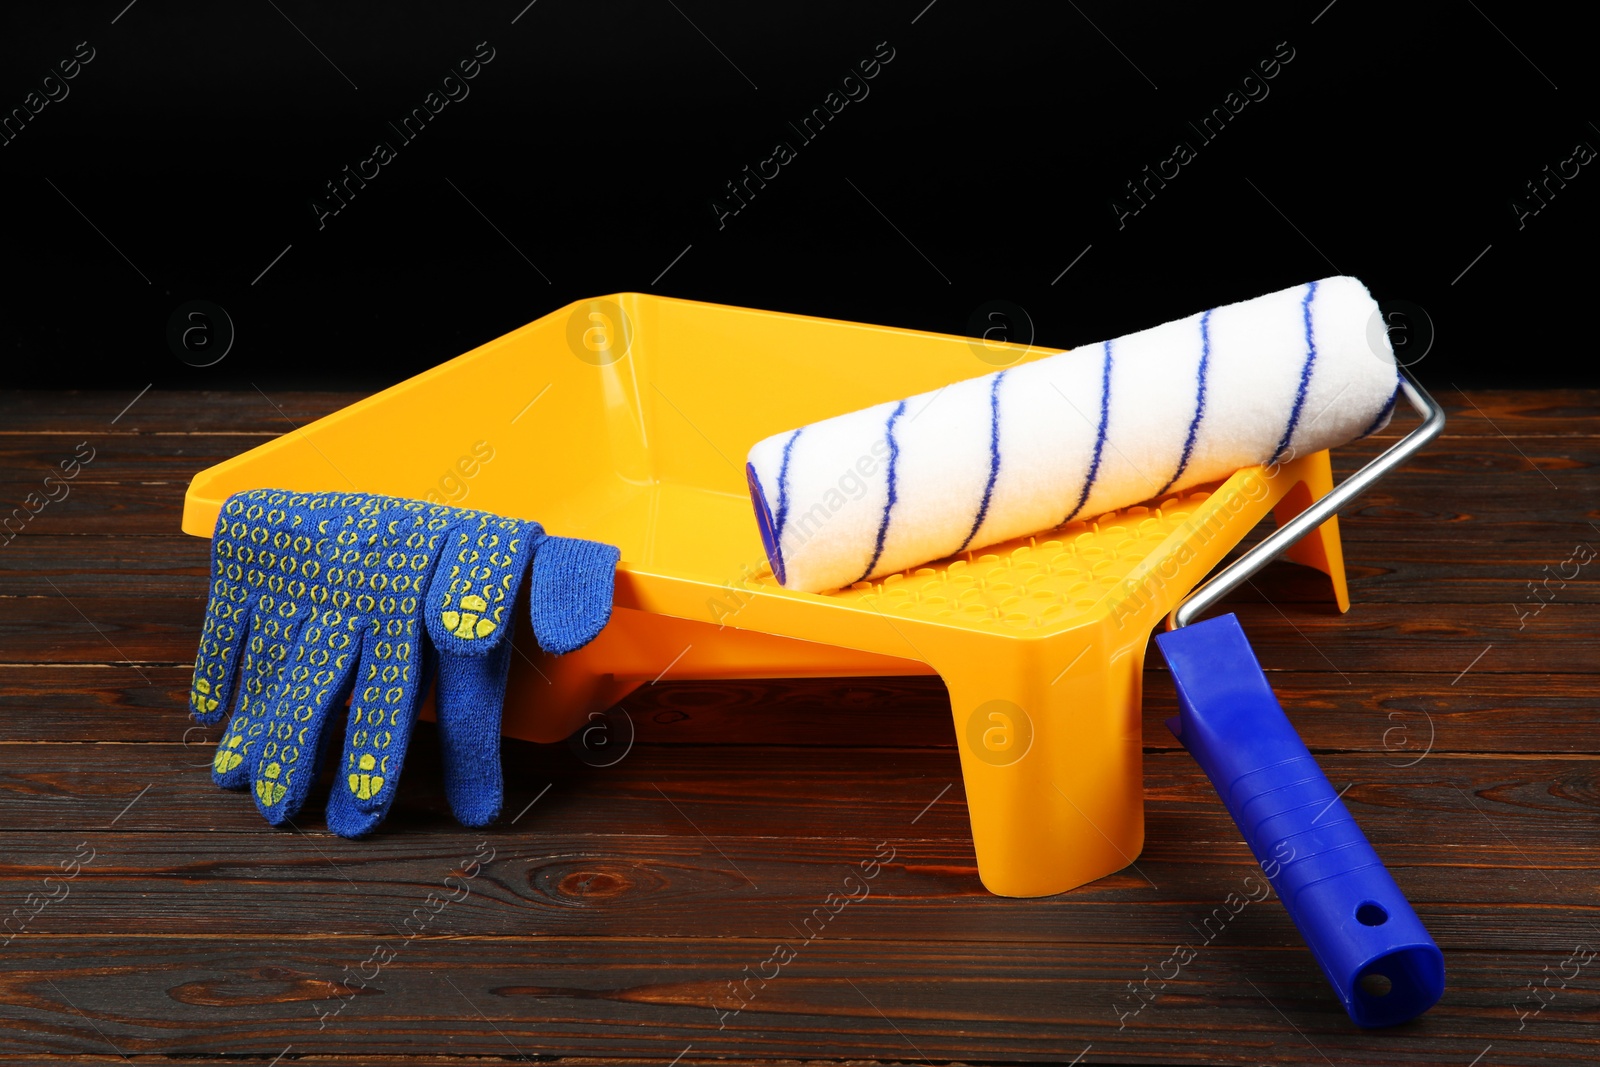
783	483
769	540
1305	377
1199	402
888	504
1099	438
994	459
1384	414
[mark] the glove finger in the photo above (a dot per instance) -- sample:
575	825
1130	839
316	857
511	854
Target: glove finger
471	691
315	679
272	634
570	592
392	578
383	708
474	590
227	613
470	606
257	550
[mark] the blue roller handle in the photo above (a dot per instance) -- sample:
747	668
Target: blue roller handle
1347	906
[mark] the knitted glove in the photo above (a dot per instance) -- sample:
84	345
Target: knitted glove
330	595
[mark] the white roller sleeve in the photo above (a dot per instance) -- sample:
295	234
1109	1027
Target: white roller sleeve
1073	435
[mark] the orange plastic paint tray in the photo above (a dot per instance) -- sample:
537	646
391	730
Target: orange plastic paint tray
627	419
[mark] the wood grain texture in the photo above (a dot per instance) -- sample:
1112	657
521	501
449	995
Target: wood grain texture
630	910
839	999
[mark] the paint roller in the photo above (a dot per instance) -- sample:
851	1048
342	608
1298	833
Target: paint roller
1073	435
1106	426
1362	931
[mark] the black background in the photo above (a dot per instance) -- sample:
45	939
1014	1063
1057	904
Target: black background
1392	145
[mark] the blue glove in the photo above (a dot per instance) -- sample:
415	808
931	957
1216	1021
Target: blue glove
318	596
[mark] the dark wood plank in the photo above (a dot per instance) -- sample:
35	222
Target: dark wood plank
1393	716
1441	638
1519	413
788	793
96	509
174	565
122	703
558	883
1407	506
1423	501
1515	412
1513	506
1447	571
124	457
69	412
1569	464
838	998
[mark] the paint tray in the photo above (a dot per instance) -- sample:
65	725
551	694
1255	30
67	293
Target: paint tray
627	419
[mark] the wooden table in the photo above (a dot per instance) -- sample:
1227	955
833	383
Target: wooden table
626	913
